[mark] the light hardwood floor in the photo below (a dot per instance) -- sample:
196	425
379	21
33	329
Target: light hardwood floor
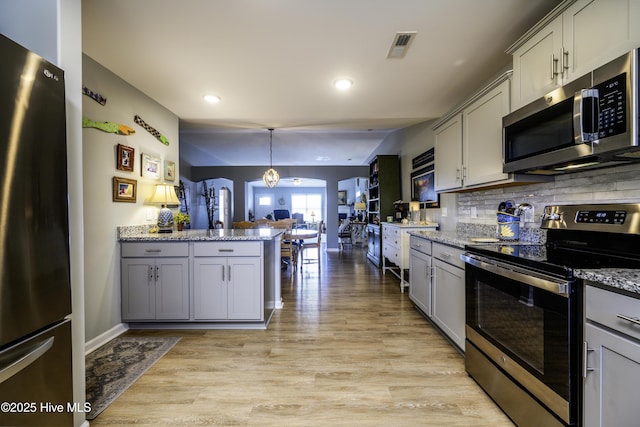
347	349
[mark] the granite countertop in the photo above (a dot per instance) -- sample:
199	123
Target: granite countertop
141	234
617	278
452	238
411	225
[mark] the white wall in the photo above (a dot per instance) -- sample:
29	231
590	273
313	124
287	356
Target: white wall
101	214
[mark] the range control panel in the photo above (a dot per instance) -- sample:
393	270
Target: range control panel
601	217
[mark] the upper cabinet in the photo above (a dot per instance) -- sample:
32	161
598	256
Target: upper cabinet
468	143
572	40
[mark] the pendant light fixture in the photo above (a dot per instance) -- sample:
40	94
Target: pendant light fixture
271	177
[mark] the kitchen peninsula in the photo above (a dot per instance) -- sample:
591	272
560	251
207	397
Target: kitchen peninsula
200	278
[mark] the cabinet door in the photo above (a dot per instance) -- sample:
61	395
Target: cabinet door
138	289
610	397
244	288
448	300
596	32
536	63
420	281
482	137
172	288
210	288
448	155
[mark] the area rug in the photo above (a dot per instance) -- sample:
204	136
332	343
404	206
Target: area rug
112	368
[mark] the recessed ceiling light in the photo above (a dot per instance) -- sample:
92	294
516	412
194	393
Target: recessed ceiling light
343	84
297	181
212	99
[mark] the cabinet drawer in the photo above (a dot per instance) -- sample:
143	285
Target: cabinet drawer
604	306
391	253
227	249
420	245
448	254
155	250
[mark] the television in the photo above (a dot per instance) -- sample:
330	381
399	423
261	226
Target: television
423	187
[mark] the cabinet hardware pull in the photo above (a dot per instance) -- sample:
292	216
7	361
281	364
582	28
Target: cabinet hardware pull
585	353
464	172
229	267
150	273
629	319
157	273
225	250
565	62
457	174
554	67
223	273
153	251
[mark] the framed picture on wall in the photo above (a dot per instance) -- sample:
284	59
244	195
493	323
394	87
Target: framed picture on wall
125	157
124	190
342	197
150	166
169	170
423	187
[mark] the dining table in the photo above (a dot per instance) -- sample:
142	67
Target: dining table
300	234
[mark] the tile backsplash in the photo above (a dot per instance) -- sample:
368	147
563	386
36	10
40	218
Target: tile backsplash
611	185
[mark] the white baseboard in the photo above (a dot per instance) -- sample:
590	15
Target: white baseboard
105	337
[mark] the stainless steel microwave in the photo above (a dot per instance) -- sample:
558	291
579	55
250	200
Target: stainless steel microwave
586	124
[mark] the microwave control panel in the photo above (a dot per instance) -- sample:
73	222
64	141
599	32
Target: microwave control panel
612	95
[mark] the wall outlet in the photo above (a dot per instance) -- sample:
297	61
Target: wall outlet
528	215
474	212
444	211
151	214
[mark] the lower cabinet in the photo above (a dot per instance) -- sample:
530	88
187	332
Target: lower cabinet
155	282
420	274
227	281
436	286
227	288
612	341
374	247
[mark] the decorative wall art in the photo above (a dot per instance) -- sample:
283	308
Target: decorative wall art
423	187
109	127
124	190
94	95
126	155
342	197
169	170
150	167
151	130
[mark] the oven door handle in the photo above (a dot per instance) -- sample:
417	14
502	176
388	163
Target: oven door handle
528	277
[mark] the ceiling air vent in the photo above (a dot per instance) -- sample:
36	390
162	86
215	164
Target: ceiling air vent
400	44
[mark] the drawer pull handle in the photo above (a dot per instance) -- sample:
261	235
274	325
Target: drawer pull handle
225	250
153	251
585	353
445	255
629	319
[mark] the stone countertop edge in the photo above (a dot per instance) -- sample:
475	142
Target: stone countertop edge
142	235
625	279
451	238
411	225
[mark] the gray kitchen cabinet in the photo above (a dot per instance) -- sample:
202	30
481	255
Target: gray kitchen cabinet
468	141
420	274
448	292
612	356
570	42
228	281
155	281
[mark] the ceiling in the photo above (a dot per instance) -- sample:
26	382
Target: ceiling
273	64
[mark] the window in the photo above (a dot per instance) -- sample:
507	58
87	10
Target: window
307	204
264	201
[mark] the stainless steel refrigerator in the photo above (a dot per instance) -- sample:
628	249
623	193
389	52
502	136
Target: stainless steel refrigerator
35	289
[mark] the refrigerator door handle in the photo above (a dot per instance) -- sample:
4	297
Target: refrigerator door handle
11	363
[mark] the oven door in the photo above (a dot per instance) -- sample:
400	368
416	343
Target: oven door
525	323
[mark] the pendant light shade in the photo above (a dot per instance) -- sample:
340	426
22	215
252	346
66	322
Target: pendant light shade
271	177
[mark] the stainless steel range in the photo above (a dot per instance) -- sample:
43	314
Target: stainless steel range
524	309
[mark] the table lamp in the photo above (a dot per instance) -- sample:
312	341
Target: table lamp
165	195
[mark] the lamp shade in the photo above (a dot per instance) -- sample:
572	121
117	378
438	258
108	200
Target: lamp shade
164	194
360	206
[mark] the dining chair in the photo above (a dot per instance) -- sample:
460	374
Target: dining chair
264	223
313	245
344	234
288	249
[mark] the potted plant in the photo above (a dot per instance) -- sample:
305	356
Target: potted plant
181	219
